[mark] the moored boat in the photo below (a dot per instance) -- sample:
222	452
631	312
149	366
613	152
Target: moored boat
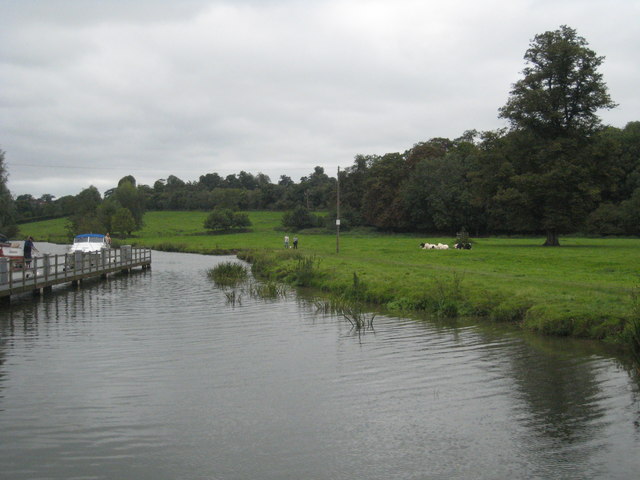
89	243
10	249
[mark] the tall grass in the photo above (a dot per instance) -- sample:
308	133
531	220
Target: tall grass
228	273
354	312
632	331
305	270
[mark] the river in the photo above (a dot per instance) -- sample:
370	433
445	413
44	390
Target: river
158	375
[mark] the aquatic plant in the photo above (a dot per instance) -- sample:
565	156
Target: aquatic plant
267	290
233	297
357	317
352	311
228	273
632	330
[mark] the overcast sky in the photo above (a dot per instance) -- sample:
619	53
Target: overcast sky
93	90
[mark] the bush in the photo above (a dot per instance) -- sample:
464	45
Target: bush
225	219
301	218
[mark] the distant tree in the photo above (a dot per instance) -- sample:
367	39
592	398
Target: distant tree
316	190
84	218
555	104
105	213
353	181
25	206
232	198
66	205
159	185
299	218
8	224
173	183
285	181
123	222
262	179
128	179
607	219
436	195
382	204
128	196
210	181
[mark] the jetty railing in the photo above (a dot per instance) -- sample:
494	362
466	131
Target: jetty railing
41	273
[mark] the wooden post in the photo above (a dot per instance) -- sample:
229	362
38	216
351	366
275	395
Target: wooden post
338	212
4	270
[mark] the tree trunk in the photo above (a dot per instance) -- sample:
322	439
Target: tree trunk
552	239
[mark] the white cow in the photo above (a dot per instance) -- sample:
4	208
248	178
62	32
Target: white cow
434	246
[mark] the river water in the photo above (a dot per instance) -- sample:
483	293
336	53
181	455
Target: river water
158	375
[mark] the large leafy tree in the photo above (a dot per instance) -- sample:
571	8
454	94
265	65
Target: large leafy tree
555	106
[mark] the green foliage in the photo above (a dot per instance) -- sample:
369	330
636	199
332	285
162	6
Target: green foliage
123	222
8	224
462	240
305	271
225	219
127	196
85	217
511	309
300	218
553	108
631	334
228	273
382	202
561	89
219	219
581	289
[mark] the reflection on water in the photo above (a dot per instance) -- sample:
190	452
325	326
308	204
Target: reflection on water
156	375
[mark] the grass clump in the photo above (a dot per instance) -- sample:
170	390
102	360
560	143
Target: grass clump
228	273
353	311
267	290
631	333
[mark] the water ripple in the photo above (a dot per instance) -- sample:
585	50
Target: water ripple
156	375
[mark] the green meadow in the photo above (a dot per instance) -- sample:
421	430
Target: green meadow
585	288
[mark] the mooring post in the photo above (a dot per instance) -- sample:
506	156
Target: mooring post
125	258
4	270
46	266
78	264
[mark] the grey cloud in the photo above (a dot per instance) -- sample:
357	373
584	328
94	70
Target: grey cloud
91	91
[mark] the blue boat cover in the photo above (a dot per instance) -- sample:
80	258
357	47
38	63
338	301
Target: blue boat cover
90	235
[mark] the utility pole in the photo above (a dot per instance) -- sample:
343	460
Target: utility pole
338	213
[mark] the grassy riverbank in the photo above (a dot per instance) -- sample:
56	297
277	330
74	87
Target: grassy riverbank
584	288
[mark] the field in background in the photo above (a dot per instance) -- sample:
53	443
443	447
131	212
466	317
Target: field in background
583	288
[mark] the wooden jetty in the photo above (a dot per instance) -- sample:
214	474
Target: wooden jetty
49	270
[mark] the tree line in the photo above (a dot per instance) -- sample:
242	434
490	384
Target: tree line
554	170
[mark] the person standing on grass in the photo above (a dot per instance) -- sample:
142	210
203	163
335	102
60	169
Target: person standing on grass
27	248
295	242
286	241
